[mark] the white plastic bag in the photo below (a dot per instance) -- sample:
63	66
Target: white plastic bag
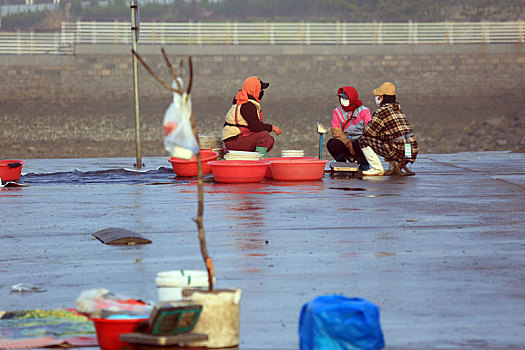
179	139
100	302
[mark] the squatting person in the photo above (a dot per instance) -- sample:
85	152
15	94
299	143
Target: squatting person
348	122
388	134
244	129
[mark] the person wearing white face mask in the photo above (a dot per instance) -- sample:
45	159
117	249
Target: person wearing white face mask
348	121
378	100
388	134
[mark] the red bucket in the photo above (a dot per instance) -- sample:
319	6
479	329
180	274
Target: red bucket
269	174
184	167
238	171
298	169
109	331
10	170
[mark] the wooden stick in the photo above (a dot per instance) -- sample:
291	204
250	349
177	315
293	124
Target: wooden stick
155	75
199	221
190	85
208	262
172	72
200	211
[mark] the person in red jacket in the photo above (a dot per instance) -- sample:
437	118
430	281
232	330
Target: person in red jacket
244	129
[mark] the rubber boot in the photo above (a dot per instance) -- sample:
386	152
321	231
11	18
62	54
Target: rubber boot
376	167
364	166
262	150
359	156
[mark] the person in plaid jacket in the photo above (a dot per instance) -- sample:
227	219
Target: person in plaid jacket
388	134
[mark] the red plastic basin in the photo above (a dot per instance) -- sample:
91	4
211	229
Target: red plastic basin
298	169
10	170
269	174
236	171
184	167
109	331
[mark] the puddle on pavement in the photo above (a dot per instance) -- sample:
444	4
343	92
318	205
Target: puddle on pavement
359	189
347	188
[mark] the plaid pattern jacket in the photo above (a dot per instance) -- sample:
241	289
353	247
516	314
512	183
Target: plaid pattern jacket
388	123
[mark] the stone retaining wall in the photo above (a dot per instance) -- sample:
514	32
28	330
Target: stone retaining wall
442	70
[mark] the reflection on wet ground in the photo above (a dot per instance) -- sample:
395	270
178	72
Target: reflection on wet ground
432	251
269	187
246	214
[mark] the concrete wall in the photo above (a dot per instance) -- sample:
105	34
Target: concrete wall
105	71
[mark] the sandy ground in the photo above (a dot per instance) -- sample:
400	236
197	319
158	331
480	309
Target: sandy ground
106	128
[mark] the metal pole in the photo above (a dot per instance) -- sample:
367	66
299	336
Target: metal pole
134	6
320	146
320	130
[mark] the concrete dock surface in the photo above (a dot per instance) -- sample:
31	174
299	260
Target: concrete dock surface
442	253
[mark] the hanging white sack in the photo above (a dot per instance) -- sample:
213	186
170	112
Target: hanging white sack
179	139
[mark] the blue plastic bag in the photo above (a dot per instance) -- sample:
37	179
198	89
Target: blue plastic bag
336	322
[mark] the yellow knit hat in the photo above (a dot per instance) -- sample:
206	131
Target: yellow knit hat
385	89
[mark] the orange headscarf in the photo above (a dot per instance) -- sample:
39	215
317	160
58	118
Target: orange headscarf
252	87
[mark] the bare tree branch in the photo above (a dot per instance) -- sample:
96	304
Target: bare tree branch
190	62
208	262
155	75
172	72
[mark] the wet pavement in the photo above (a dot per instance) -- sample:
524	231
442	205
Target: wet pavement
442	253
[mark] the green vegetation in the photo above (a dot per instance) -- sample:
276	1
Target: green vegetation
286	10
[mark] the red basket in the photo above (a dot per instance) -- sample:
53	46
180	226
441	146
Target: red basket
109	331
237	171
10	170
269	174
184	167
298	170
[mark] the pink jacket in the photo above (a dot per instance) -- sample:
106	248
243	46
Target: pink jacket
352	125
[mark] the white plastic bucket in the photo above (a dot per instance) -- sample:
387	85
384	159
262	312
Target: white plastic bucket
171	283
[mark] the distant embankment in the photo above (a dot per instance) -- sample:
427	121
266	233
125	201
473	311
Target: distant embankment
458	97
